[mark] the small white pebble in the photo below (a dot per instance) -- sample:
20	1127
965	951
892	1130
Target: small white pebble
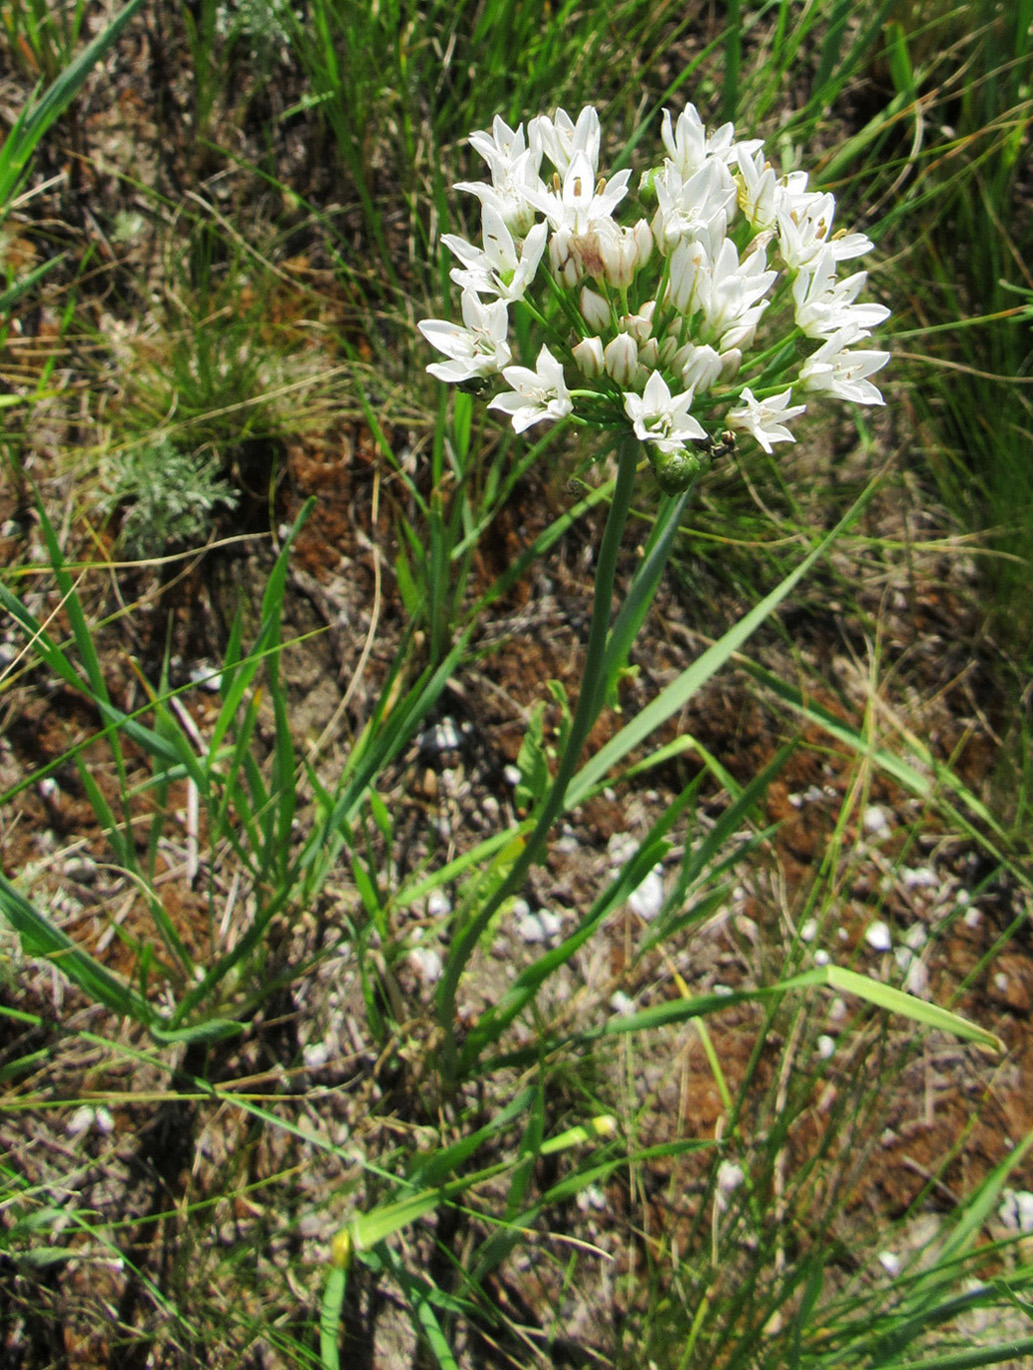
438	904
315	1055
1001	981
81	1121
826	1046
916	937
48	787
206	676
591	1198
875	822
837	1009
426	962
723	991
729	1177
620	848
648	898
890	1262
919	878
916	981
542	926
809	930
962	898
821	957
1016	1210
878	936
621	1003
973	917
511	775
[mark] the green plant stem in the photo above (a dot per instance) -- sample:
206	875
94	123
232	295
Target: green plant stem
590	701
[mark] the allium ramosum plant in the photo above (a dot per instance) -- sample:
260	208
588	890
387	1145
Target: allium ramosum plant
718	308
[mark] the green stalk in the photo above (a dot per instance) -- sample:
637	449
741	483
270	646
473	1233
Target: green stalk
589	704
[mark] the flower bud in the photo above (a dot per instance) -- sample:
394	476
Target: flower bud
649	354
595	249
643	243
640	325
701	367
743	333
689	276
731	360
594	310
563	260
621	360
588	355
647	185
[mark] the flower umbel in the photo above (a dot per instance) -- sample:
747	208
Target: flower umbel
718	297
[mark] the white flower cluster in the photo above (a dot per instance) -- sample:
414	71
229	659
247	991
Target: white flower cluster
659	322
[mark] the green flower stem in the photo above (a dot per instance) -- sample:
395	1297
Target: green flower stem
590	702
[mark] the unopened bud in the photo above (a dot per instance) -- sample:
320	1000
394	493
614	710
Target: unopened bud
588	355
701	367
643	243
621	360
563	260
649	354
595	310
730	363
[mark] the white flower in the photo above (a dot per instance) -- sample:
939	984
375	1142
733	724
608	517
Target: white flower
561	138
758	189
536	395
824	305
514	170
763	418
503	147
805	227
698	207
735	287
836	371
498	268
479	349
688	145
661	418
580	203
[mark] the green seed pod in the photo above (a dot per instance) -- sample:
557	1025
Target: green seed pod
675	471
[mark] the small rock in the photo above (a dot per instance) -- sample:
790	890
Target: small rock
647	900
878	936
875	822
